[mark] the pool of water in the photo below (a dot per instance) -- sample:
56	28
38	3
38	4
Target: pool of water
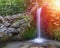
26	44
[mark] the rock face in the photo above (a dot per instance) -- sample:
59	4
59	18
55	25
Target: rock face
15	24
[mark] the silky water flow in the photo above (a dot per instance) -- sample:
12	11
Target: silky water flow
38	39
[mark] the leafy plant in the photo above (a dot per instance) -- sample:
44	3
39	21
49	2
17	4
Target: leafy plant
10	7
29	34
57	34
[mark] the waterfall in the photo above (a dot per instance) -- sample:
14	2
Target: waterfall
38	39
38	15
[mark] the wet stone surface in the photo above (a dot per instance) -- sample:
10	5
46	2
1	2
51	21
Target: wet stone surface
29	45
43	46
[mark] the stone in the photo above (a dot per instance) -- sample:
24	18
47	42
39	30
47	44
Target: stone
1	25
10	34
13	17
21	21
18	29
7	24
10	30
50	46
7	18
3	29
15	25
2	19
1	35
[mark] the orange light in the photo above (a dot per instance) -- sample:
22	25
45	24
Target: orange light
54	4
57	4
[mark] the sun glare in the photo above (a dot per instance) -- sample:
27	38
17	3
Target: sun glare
57	4
54	4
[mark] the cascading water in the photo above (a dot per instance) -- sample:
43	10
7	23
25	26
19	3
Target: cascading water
38	14
38	39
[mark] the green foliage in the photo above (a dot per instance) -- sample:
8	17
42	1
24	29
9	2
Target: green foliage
10	7
57	34
29	34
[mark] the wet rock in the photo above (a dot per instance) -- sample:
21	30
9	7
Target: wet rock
7	18
1	25
14	25
1	19
7	24
2	28
25	24
18	30
50	46
10	30
22	21
1	35
13	17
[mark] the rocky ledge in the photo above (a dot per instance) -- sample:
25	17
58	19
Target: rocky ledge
14	25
